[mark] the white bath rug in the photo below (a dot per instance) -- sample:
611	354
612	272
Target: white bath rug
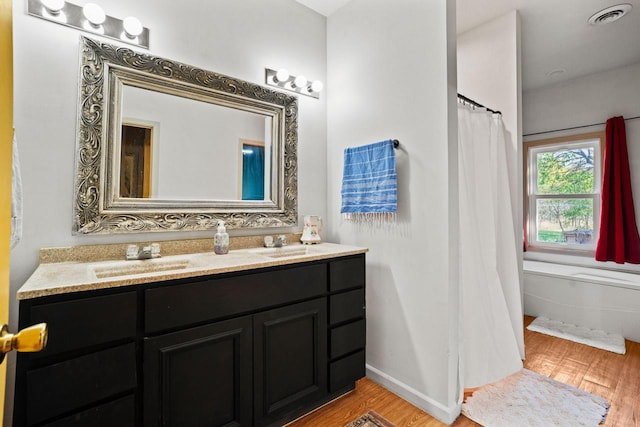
592	337
527	398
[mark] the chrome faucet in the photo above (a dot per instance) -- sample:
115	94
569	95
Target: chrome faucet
281	241
146	252
278	242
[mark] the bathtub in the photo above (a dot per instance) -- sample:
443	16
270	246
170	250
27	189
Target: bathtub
591	297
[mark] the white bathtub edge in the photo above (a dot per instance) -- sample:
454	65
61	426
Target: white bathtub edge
583	274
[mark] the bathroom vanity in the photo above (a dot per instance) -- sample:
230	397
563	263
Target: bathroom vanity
246	339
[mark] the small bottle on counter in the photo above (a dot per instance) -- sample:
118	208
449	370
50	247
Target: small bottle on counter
221	240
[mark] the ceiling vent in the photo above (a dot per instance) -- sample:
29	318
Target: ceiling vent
610	14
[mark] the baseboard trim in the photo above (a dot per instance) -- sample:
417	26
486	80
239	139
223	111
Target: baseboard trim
445	414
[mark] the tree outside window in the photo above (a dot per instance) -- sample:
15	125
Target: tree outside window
563	193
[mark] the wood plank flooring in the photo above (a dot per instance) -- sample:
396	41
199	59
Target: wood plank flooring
612	376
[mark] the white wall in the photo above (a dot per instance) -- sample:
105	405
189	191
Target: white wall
489	69
584	101
238	38
391	69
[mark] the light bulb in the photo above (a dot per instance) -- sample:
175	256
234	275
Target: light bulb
316	86
94	14
53	6
132	27
300	81
282	75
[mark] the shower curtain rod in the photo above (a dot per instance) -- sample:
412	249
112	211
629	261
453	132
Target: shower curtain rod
476	104
576	127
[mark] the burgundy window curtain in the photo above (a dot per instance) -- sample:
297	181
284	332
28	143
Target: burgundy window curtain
619	240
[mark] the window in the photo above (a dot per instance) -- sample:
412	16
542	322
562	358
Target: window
563	192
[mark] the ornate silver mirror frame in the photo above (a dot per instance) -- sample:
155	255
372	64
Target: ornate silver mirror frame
100	209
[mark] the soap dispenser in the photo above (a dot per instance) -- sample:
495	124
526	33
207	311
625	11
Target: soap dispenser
221	240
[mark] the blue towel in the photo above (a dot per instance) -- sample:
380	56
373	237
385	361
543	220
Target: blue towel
369	182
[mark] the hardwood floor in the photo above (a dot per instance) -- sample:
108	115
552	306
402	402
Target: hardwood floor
612	376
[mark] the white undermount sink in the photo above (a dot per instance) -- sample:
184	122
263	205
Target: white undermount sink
128	268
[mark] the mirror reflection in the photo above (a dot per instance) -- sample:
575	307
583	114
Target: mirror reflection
178	148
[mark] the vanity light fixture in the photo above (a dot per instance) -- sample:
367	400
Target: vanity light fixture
90	18
299	81
315	86
94	18
132	27
282	76
53	6
94	14
298	84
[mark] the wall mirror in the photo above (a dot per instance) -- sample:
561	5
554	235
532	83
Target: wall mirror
164	146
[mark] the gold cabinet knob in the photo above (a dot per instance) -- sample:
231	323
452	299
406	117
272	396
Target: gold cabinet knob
31	339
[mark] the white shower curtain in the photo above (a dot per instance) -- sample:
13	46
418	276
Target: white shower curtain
492	329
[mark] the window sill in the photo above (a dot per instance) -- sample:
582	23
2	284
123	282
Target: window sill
576	258
585	253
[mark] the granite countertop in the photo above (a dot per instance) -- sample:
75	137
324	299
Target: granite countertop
53	278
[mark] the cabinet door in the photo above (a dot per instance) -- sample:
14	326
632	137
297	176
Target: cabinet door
290	360
75	384
200	376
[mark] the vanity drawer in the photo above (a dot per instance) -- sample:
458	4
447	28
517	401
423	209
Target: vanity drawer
344	372
85	322
346	306
192	303
120	412
348	273
66	386
347	338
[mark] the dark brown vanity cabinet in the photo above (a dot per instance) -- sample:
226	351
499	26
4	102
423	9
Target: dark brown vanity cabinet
290	360
252	348
88	374
200	376
347	325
